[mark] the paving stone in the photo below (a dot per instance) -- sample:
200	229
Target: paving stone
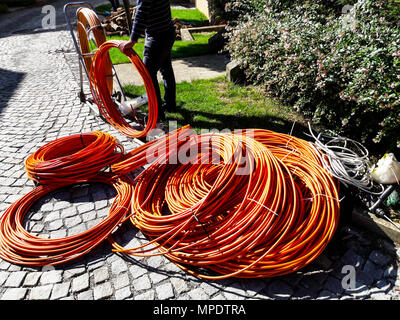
142	283
15	279
55	225
3	277
32	279
58	234
102	291
53	276
390	272
254	286
361	291
85	295
165	291
74	271
119	266
364	278
52	216
88	216
279	290
303	294
37	228
101	204
234	292
73	221
373	270
326	295
14	294
179	284
60	290
380	296
333	285
156	277
148	295
121	280
209	289
197	294
41	292
380	258
123	293
352	258
80	283
86	207
155	261
62	205
101	274
137	271
77	230
383	285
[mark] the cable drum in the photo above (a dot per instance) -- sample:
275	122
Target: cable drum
89	23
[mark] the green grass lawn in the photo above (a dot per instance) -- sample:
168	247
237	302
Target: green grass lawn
180	48
219	104
191	16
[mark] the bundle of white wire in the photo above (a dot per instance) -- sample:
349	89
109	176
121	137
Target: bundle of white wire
348	161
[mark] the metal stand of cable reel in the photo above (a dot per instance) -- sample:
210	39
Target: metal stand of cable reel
118	96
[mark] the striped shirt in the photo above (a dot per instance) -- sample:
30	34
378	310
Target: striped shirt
152	16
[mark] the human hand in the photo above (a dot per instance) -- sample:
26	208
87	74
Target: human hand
125	46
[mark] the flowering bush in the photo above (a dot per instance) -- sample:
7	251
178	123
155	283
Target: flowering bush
341	70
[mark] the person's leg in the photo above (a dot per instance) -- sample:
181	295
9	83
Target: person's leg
114	5
168	75
152	60
169	83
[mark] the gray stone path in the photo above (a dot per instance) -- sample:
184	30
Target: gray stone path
39	103
185	69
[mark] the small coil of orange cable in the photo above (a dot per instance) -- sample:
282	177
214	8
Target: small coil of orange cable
102	96
19	246
73	158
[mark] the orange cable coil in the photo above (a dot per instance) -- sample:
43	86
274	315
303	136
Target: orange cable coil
103	99
74	157
19	246
209	214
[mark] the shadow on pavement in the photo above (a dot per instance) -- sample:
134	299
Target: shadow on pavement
9	83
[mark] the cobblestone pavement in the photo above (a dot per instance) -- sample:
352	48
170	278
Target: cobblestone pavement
39	103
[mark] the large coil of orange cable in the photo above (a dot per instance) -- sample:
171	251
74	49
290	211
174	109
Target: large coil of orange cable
258	204
103	99
19	246
89	23
73	158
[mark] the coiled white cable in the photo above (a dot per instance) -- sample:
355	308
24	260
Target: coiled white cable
346	160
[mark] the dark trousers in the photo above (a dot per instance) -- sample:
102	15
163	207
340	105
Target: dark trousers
115	4
157	57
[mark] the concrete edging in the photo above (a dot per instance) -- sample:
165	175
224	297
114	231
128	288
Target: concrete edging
375	224
186	33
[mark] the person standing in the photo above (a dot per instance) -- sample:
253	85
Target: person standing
153	19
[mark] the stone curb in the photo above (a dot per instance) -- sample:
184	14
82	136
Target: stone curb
375	224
